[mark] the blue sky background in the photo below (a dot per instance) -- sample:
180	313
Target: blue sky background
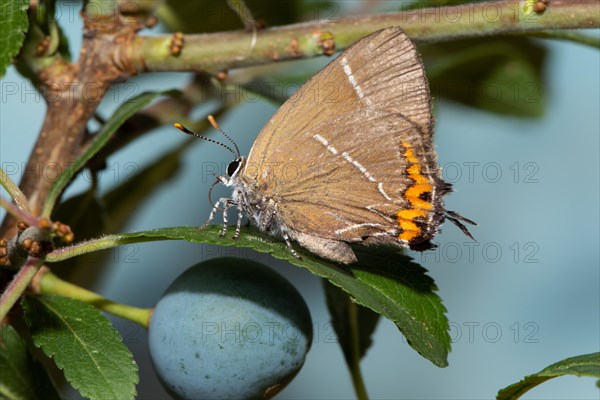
527	296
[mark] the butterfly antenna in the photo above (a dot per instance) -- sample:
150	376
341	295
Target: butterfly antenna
213	122
186	130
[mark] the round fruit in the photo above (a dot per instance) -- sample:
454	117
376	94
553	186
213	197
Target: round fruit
229	328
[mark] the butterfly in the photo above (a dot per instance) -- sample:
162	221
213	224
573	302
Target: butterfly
348	158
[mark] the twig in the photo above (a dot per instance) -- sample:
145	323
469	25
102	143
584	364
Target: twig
17	286
222	51
13	190
48	283
17	212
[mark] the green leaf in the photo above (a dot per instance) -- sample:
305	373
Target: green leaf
13	14
84	345
384	280
124	200
573	35
217	16
124	112
348	327
502	75
585	365
45	15
22	377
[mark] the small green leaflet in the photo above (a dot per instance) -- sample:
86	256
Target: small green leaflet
585	365
84	345
22	377
122	114
13	14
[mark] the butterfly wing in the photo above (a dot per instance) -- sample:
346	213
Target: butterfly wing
382	70
349	156
370	188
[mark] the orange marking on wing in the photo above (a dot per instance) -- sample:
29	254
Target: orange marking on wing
410	156
410	214
412	195
414	169
409	235
405	218
407	225
414	173
419	203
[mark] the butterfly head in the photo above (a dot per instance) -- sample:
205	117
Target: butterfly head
233	171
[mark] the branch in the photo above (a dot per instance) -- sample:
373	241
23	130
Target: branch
47	283
13	190
18	212
72	93
18	285
222	51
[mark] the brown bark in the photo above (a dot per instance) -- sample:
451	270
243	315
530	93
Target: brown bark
72	93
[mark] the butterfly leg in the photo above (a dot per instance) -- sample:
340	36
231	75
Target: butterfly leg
238	226
290	247
226	204
212	214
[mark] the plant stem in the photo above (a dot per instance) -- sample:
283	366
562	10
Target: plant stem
354	362
221	51
51	284
69	103
19	284
13	190
17	212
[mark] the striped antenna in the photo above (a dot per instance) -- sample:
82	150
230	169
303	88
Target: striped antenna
186	130
213	122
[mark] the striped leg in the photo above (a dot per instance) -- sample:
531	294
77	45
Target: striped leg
212	214
289	245
238	226
227	203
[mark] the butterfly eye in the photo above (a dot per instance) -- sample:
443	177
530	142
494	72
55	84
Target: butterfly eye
233	166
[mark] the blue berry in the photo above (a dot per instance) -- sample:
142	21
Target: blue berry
229	328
